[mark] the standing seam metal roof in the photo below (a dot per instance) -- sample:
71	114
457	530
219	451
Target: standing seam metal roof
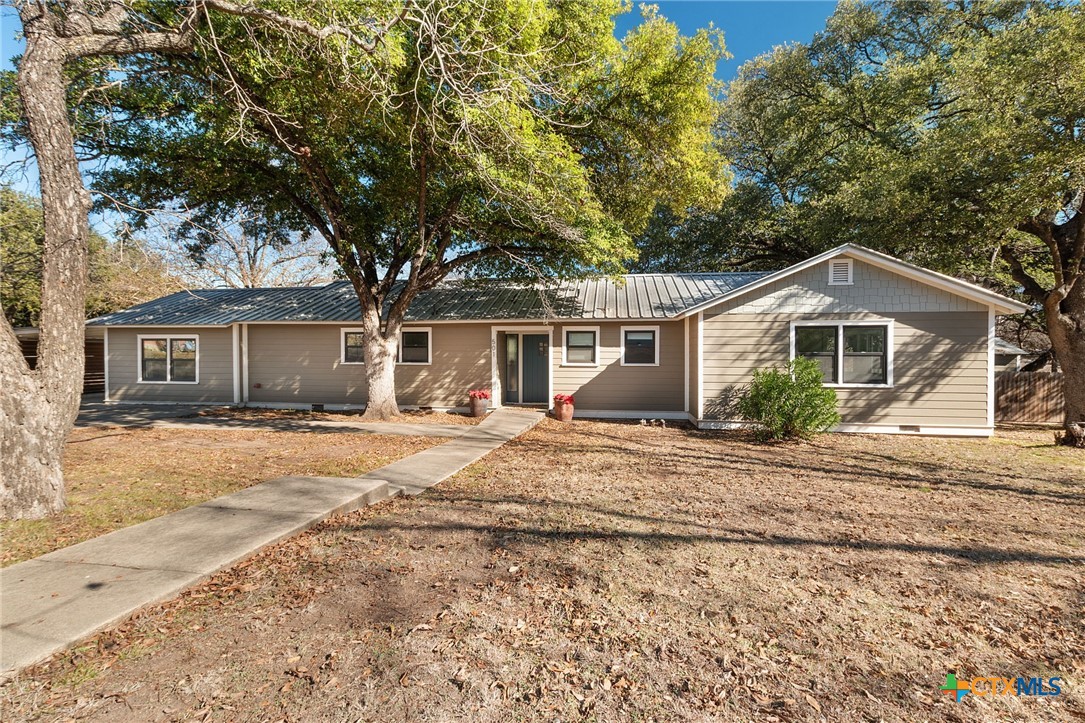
638	296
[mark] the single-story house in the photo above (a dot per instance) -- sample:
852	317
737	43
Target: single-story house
1009	357
908	350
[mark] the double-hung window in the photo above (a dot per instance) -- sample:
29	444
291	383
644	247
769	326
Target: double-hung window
581	347
849	353
352	347
640	346
414	346
169	359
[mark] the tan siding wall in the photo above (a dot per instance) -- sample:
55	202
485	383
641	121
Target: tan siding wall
874	290
300	363
216	383
611	386
461	362
940	366
694	371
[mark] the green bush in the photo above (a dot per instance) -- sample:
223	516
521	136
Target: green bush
791	402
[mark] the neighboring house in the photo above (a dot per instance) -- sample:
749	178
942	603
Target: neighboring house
907	350
1010	357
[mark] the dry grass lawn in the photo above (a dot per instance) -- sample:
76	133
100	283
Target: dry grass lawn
117	477
616	572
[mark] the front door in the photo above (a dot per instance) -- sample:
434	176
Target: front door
536	355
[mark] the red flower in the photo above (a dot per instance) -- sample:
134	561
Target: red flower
563	398
479	393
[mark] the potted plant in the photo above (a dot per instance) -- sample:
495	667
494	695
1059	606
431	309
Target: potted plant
563	407
479	401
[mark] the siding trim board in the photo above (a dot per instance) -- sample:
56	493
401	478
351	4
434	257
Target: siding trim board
235	346
105	353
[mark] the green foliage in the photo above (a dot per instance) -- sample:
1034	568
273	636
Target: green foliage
22	232
931	131
790	402
121	273
522	139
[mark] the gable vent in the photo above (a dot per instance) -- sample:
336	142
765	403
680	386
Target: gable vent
840	272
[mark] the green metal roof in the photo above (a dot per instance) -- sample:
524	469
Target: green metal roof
637	296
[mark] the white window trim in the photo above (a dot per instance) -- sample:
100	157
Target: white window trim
429	346
850	267
654	330
343	331
169	341
565	343
840	324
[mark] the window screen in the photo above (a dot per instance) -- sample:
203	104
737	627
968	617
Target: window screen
864	355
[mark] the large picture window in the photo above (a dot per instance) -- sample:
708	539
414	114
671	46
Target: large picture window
168	359
581	347
640	346
849	353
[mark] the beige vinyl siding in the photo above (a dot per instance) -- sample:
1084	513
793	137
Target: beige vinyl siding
939	362
215	361
609	386
461	362
301	364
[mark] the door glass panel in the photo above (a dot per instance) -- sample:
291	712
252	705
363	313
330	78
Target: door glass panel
512	368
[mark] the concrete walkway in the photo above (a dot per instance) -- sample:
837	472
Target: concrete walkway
180	416
54	601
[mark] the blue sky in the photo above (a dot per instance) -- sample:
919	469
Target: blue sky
750	28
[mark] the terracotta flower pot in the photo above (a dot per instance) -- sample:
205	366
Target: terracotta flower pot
478	407
563	411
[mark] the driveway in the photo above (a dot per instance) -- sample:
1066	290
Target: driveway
93	412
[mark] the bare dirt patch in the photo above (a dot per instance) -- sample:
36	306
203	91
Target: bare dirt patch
117	477
618	572
348	415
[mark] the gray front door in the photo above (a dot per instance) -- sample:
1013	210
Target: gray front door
535	351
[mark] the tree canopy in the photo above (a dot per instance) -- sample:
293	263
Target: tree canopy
516	139
122	273
950	134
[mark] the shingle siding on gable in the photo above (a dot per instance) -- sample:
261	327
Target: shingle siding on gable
873	290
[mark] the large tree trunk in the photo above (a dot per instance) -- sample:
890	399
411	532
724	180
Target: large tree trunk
39	406
1066	327
380	367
